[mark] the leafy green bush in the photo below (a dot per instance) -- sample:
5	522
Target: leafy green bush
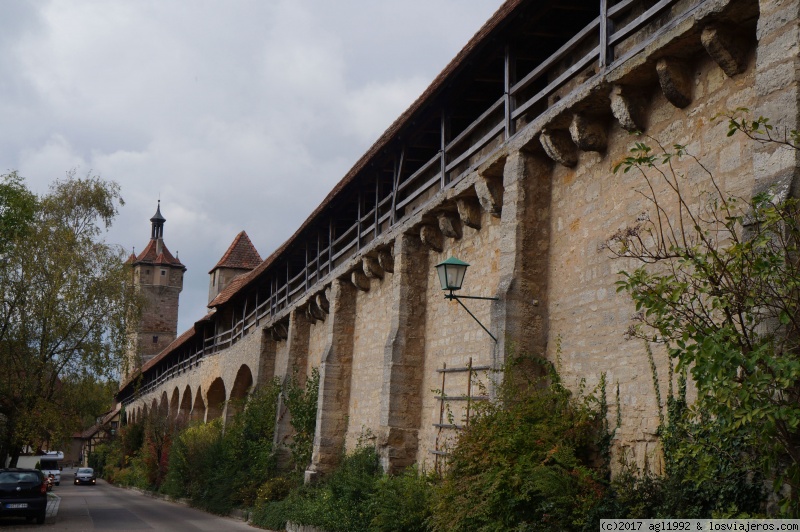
527	461
301	400
218	469
402	503
706	474
341	503
191	461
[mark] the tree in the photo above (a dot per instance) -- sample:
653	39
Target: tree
718	283
65	304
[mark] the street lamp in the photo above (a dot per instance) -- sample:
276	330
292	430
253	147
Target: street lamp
451	277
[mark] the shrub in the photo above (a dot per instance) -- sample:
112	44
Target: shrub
301	400
402	503
340	503
192	461
527	461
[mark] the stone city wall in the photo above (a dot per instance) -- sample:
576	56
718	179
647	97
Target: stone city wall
532	221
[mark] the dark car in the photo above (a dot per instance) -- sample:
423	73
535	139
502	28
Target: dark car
23	493
85	475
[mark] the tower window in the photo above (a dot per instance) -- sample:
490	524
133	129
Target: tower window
155	339
163	273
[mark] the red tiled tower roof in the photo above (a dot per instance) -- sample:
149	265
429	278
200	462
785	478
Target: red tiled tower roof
241	255
150	254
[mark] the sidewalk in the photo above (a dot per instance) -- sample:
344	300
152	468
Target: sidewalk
53	502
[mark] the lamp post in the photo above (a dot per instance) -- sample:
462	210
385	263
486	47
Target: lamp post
451	277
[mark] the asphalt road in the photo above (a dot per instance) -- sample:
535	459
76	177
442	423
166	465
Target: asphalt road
105	507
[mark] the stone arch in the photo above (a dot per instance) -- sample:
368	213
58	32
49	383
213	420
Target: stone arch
185	409
164	406
174	402
215	397
198	408
240	390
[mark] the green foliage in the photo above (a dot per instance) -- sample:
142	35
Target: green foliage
528	461
66	305
402	503
218	469
301	400
707	474
18	207
341	503
195	461
719	286
248	445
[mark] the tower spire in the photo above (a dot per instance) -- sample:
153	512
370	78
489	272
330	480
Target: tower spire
157	231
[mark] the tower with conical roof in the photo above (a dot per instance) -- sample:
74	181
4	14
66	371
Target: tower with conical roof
158	277
241	257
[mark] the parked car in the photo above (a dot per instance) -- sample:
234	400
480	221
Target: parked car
23	493
85	475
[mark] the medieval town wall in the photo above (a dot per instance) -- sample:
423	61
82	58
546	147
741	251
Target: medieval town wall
533	224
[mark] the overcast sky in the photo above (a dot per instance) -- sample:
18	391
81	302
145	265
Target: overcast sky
240	115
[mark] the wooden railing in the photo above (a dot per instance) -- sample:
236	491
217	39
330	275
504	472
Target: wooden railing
413	188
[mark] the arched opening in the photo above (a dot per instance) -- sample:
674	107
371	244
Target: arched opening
241	388
185	412
174	401
164	406
199	408
216	399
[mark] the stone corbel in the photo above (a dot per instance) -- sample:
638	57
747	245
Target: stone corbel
310	315
490	195
558	145
360	280
675	79
322	303
469	210
279	332
372	268
627	109
724	49
588	134
431	237
386	260
450	225
313	311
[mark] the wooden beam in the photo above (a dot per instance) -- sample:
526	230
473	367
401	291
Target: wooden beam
509	74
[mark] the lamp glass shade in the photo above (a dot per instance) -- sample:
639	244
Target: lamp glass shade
451	273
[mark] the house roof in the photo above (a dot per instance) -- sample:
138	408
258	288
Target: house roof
91	431
241	255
